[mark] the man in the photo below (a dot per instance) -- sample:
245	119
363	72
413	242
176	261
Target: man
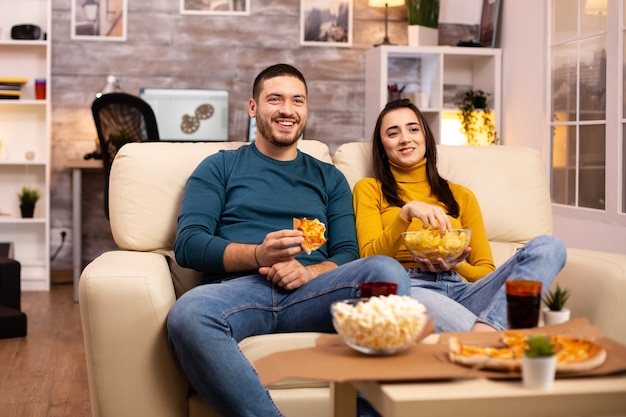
235	226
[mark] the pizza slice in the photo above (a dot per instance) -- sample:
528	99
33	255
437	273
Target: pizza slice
573	354
313	233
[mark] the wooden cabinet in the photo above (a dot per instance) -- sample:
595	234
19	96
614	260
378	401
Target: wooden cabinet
436	77
25	136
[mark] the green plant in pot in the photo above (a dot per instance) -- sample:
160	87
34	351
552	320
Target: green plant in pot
474	107
539	346
555	311
28	198
423	17
423	12
539	362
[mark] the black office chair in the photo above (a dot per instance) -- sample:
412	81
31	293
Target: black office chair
121	118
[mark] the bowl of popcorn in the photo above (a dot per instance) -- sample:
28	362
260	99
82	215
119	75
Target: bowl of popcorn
433	244
381	325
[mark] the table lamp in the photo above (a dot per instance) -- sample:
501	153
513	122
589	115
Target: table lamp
111	86
386	4
596	7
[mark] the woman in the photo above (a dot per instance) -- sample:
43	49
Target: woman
407	193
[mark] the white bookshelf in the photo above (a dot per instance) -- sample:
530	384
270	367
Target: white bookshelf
25	136
431	71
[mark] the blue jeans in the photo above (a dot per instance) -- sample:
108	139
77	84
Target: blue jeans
457	304
207	322
484	301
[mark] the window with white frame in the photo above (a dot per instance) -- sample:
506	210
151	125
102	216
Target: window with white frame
585	102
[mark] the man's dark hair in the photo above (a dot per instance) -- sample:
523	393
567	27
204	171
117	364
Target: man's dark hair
277	70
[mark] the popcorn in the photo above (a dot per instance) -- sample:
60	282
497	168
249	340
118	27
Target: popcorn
380	323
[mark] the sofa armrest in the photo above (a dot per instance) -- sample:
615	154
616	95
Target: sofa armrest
597	282
124	299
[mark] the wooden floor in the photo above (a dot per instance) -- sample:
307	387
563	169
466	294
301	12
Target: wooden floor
44	374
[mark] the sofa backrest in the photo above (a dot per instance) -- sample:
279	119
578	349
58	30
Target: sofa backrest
147	182
510	184
146	187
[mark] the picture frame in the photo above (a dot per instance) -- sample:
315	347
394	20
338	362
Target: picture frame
326	23
103	20
215	7
489	23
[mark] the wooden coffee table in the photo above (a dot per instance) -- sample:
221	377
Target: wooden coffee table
591	396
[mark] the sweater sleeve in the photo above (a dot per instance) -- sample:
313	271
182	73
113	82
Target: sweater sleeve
342	245
373	238
196	245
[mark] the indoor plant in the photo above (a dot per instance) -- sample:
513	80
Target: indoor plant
473	103
423	16
539	362
28	198
555	311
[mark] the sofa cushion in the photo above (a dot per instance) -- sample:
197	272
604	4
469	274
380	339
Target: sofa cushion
498	175
146	187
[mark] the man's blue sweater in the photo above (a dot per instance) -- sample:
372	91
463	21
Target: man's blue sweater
242	195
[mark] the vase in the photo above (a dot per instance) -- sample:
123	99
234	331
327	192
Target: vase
27	211
555	317
538	372
423	36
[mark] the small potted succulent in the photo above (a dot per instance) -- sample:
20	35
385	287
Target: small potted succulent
555	311
28	198
539	362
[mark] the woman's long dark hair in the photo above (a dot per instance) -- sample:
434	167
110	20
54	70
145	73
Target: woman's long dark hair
382	171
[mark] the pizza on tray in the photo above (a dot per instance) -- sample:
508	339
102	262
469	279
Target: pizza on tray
573	354
313	233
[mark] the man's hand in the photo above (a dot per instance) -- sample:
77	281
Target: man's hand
292	274
289	275
279	246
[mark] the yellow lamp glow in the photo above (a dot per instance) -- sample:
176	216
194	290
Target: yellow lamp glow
596	7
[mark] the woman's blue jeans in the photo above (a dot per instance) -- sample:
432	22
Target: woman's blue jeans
484	301
207	322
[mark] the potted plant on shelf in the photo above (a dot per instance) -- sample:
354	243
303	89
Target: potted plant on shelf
555	311
28	198
539	362
423	16
473	104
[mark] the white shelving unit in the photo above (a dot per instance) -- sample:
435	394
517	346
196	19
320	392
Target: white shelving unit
25	136
436	72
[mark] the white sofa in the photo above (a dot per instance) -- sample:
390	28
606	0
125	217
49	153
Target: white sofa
125	295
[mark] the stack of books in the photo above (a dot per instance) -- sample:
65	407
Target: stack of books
11	87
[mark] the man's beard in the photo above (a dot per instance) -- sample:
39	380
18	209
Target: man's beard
265	130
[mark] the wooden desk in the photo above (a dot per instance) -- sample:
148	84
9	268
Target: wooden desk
77	166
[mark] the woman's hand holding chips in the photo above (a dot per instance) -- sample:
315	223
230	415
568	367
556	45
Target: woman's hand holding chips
431	215
440	265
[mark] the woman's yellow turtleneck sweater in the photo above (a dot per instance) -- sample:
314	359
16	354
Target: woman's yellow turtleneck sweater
379	225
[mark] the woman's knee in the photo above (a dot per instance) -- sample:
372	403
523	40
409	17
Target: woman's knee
385	268
550	247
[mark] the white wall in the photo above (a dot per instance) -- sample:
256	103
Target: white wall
523	41
460	11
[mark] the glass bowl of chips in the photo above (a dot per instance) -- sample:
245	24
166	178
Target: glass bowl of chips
381	325
433	244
